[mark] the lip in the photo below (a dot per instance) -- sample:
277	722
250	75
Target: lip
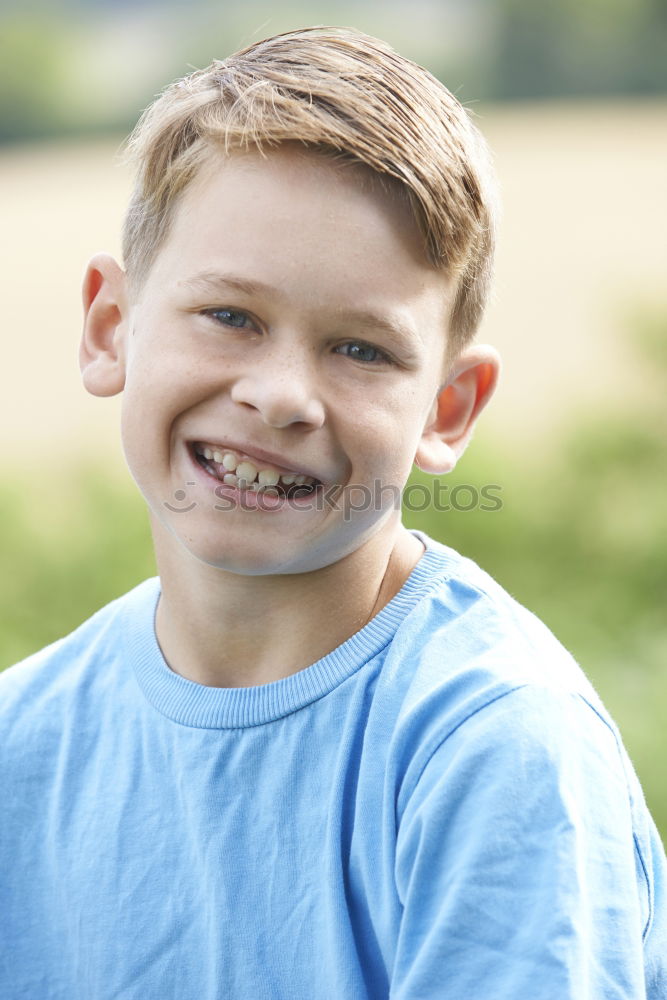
258	457
247	499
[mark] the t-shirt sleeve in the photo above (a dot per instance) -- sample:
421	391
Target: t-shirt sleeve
516	863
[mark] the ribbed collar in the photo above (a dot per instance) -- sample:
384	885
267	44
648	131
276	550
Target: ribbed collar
191	704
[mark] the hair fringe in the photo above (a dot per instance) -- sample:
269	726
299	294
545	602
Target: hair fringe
342	93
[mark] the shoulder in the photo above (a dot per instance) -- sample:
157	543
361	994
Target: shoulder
38	687
498	730
518	826
466	605
467	645
490	707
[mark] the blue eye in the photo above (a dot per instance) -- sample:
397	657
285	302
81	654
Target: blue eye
365	353
230	317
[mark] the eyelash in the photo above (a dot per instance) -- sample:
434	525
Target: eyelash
213	313
381	357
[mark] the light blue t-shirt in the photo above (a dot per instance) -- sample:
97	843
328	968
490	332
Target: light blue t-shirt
439	808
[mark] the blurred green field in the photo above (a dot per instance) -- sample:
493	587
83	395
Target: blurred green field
576	439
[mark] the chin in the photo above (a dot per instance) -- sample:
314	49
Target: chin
241	556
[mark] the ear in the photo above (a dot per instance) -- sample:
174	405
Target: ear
105	308
469	386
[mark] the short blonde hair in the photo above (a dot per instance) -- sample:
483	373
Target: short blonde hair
340	92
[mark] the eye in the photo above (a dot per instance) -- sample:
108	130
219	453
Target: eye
231	317
366	353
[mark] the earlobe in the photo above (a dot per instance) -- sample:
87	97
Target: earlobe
102	348
469	387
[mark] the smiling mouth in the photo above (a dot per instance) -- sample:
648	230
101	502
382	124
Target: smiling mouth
237	472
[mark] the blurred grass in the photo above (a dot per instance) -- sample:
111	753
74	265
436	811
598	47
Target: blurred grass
581	539
69	548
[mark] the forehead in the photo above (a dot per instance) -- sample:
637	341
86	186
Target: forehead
325	233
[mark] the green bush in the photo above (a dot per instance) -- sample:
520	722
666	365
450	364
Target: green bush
33	56
68	550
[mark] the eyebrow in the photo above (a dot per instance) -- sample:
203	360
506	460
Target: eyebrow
211	281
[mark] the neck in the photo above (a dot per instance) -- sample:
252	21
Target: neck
224	629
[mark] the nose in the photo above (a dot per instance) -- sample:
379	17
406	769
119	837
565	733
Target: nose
283	392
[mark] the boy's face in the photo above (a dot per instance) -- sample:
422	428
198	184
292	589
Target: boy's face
290	319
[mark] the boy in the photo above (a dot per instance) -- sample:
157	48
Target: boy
320	756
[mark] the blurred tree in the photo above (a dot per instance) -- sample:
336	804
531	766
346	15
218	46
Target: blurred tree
583	47
55	55
33	53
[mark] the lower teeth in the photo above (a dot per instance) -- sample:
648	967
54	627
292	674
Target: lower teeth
229	479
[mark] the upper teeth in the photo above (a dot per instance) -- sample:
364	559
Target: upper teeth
245	473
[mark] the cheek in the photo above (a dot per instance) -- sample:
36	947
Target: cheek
161	382
140	440
386	438
148	413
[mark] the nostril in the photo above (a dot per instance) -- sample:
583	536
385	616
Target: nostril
281	402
